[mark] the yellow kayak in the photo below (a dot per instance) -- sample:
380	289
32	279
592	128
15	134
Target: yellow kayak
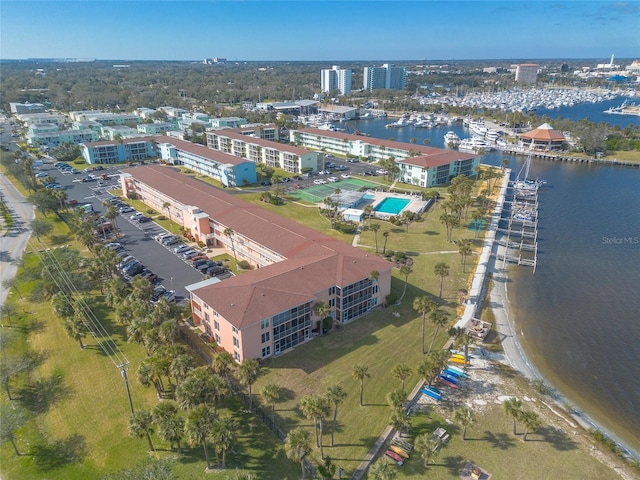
399	451
458	360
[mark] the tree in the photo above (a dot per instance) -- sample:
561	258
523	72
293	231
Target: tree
399	419
368	211
40	228
198	427
327	469
423	305
442	270
8	310
167	206
375	227
405	271
336	395
272	394
464	248
170	424
531	421
321	310
477	217
426	446
180	367
10	366
141	425
513	408
11	419
396	398
360	372
439	318
229	233
298	446
449	221
385	234
224	433
382	470
74	327
248	373
402	370
112	214
465	417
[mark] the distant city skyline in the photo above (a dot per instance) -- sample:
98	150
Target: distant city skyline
331	31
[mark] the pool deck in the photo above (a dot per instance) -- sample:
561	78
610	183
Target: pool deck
416	203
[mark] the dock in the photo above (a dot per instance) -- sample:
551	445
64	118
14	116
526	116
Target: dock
563	157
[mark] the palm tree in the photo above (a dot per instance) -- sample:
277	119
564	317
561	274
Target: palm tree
382	470
465	417
272	394
396	398
74	327
141	425
360	372
298	446
368	211
405	271
427	447
399	420
423	305
248	373
439	319
167	206
385	234
322	311
229	233
198	428
477	217
401	372
464	248
450	221
531	421
170	424
309	407
442	270
513	408
224	433
375	227
180	367
336	395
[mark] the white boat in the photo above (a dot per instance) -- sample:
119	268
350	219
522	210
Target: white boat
327	126
367	116
401	122
474	145
451	140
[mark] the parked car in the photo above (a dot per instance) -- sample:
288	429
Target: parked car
181	248
319	181
344	175
136	215
143	219
149	275
332	179
126	261
134	270
265	183
216	270
168	241
205	266
189	254
115	246
126	209
197	263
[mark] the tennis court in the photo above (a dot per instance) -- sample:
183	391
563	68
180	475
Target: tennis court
317	193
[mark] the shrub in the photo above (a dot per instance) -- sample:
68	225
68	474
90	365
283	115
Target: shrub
150	211
79	161
391	298
201	244
327	323
244	265
162	217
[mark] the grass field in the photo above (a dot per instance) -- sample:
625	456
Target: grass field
79	413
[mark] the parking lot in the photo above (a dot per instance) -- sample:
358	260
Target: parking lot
136	238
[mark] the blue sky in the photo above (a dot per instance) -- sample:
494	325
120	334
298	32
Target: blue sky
312	30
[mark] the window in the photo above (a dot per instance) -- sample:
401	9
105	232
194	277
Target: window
265	337
236	343
332	302
266	351
264	324
206	317
216	325
235	330
236	356
217	339
332	290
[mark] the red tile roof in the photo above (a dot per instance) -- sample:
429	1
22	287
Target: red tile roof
314	261
544	132
442	157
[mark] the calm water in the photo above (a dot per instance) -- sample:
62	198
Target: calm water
579	314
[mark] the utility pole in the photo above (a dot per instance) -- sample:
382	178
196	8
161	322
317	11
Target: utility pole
123	371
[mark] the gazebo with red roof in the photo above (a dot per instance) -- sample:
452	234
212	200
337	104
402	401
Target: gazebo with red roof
543	138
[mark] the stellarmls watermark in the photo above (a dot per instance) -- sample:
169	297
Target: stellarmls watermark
621	240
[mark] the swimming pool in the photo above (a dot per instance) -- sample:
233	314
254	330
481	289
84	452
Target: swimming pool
392	205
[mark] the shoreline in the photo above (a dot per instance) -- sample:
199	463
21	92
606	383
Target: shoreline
516	358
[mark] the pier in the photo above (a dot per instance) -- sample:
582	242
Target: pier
563	157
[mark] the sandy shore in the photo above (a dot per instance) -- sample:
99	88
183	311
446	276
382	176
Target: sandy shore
513	354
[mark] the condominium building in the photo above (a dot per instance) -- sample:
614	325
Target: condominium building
57	138
335	78
125	150
385	77
269	310
25	108
527	73
229	170
419	164
247	143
